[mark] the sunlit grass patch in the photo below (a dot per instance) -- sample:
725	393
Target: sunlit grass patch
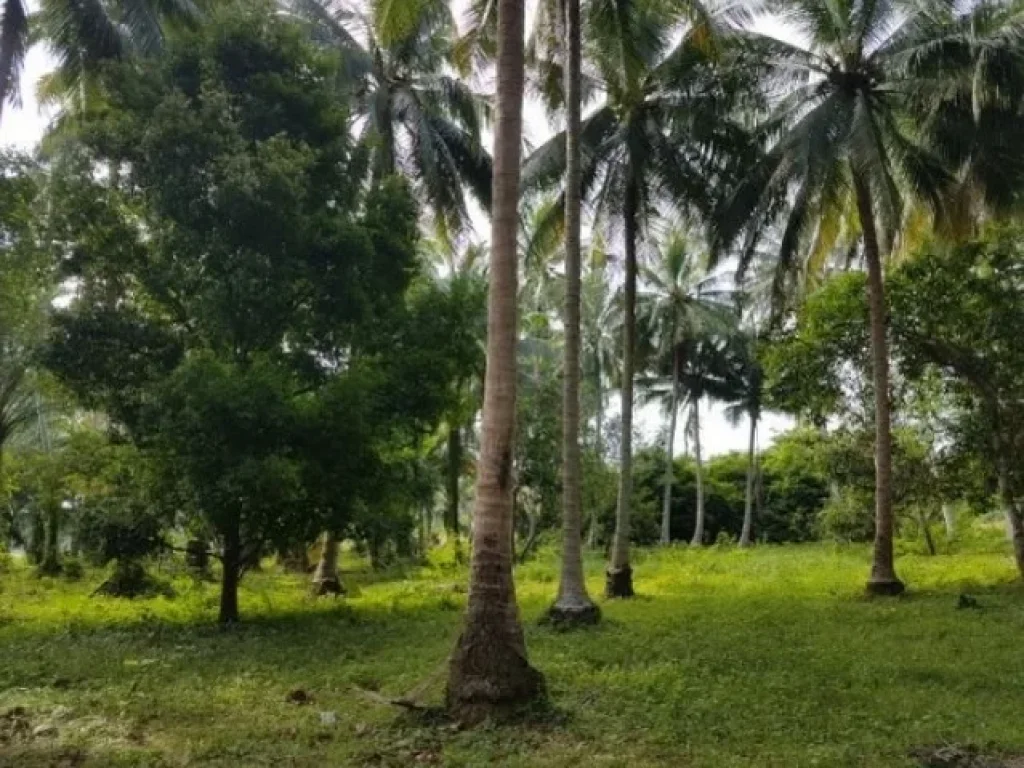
728	657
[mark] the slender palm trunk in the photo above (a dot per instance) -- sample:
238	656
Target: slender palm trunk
666	503
698	528
325	578
883	580
620	575
489	673
599	415
232	566
573	604
747	534
598	446
949	520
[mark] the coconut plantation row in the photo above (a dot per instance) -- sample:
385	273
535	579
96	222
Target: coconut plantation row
598	382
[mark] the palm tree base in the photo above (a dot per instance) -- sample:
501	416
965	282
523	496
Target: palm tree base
567	614
489	675
328	586
619	582
885	587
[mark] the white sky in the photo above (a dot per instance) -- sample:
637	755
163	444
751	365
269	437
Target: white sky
22	127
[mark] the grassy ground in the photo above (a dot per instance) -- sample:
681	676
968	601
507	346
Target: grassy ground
728	658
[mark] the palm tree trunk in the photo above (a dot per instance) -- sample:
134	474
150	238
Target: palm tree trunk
489	673
883	580
599	415
747	534
325	577
698	528
619	581
666	505
572	605
949	520
598	446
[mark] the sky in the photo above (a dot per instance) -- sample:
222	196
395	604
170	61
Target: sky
22	127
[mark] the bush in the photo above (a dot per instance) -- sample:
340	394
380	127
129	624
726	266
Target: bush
72	569
131	580
849	516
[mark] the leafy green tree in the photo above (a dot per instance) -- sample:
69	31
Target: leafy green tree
955	311
254	280
460	273
111	488
795	486
21	296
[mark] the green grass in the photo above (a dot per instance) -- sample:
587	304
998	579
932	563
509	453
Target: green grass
728	658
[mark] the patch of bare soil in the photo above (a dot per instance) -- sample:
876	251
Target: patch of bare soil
964	756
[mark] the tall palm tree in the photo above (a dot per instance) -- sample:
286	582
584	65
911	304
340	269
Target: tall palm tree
415	117
601	324
660	133
698	367
326	580
749	404
680	302
852	130
81	36
489	671
573	604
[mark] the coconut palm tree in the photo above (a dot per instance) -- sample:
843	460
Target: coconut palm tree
326	580
698	367
489	671
661	133
679	303
601	327
81	36
852	130
749	404
573	604
415	117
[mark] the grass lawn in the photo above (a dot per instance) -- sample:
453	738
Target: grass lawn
757	658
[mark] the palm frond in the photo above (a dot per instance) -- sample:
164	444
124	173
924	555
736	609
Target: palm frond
14	35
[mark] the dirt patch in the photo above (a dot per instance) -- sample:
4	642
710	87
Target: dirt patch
964	756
